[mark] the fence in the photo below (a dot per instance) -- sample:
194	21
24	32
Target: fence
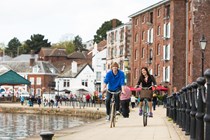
190	108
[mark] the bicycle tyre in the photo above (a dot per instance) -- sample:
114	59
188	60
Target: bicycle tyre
145	114
112	116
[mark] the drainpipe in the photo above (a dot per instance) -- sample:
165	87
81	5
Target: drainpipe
186	72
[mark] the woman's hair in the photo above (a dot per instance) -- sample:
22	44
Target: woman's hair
142	76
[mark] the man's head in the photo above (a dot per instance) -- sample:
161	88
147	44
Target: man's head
115	67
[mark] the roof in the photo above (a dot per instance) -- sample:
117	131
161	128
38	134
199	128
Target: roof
12	78
149	8
68	71
77	55
24	67
24	57
54	52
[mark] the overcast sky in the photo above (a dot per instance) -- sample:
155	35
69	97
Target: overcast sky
58	20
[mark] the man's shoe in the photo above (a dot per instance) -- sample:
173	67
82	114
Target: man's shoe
150	114
107	118
117	113
140	112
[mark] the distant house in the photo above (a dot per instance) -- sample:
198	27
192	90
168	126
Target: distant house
75	76
60	59
39	73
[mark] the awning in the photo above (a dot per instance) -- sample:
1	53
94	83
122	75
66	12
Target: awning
12	78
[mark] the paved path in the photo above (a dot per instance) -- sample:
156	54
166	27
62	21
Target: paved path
159	128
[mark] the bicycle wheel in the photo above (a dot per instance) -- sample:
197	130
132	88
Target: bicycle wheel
145	114
112	116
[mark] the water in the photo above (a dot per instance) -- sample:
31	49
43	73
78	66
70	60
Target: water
20	126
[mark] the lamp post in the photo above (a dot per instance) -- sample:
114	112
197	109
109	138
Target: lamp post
203	47
58	87
126	61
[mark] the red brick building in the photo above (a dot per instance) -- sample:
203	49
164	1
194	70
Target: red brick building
165	38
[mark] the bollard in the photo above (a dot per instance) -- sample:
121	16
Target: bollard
183	109
178	104
188	109
200	110
46	135
167	106
178	108
174	107
207	115
193	111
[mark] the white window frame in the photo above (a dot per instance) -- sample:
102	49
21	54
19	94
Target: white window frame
38	81
150	36
166	52
166	74
166	30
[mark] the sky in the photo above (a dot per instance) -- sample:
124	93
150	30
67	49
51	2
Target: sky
60	20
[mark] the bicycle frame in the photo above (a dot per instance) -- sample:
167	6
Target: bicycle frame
113	109
145	111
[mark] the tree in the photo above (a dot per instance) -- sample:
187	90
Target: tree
106	26
68	45
37	42
78	43
13	47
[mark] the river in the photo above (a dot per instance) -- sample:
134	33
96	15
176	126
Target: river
20	126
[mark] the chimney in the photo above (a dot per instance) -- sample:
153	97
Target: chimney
74	67
32	59
114	23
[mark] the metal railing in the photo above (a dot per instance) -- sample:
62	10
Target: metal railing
190	108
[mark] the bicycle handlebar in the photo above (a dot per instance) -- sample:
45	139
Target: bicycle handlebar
116	92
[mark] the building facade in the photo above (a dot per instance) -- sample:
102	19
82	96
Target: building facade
165	38
118	47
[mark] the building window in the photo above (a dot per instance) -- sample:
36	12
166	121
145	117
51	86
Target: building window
136	73
143	19
150	72
66	83
158	12
166	30
150	36
150	56
158	69
38	92
142	52
166	52
136	37
136	54
166	74
31	80
151	17
189	69
136	21
98	76
158	49
158	30
38	81
142	35
85	82
167	11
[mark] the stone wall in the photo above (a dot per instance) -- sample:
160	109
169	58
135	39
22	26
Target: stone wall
83	113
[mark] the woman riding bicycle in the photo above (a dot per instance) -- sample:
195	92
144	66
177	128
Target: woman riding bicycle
146	80
115	79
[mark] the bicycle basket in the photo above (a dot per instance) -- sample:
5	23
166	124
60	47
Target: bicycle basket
146	93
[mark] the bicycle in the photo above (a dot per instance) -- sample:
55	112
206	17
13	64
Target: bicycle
146	93
113	109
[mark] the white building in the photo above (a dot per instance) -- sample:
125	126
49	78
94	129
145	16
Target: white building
76	77
118	45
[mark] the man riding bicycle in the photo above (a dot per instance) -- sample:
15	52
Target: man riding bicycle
115	79
146	80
